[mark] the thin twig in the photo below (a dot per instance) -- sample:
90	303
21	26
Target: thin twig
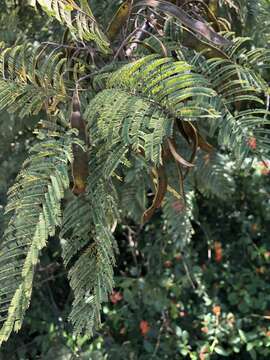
159	335
140	36
188	272
124	43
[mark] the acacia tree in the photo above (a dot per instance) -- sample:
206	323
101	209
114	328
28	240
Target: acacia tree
154	103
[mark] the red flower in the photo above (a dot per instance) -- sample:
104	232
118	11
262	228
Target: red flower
264	167
144	327
203	353
252	143
218	251
116	296
205	329
216	310
183	313
178	257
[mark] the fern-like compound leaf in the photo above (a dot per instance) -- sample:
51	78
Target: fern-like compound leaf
34	213
88	253
172	85
32	79
77	16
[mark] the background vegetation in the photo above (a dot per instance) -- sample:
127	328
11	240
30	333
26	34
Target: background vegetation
198	290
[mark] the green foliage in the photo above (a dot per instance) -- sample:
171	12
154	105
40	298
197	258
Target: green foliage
168	83
34	212
155	283
31	80
86	233
238	81
170	114
78	18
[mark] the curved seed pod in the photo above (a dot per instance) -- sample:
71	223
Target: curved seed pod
162	183
177	156
119	19
192	133
202	143
208	10
80	161
181	183
182	131
213	6
186	133
197	26
208	50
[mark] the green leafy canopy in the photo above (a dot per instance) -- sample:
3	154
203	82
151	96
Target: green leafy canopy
161	109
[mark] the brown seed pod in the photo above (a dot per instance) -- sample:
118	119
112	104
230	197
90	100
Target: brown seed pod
80	161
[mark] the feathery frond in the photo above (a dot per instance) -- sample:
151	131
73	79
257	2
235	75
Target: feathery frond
213	175
32	80
34	210
242	95
177	220
118	120
133	187
173	85
88	252
78	18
